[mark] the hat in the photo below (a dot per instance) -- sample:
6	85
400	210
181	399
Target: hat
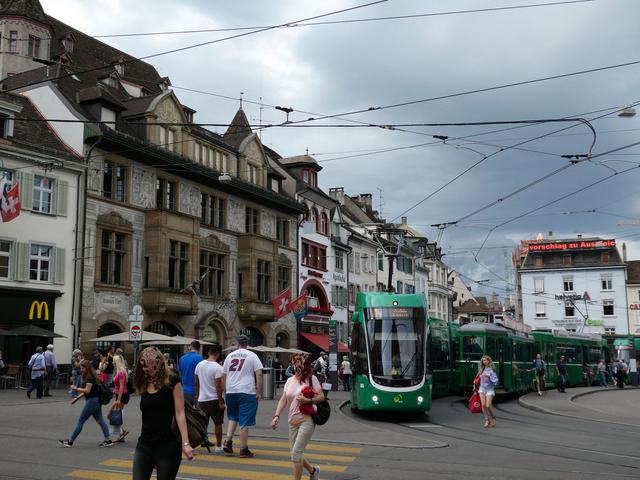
49	347
242	340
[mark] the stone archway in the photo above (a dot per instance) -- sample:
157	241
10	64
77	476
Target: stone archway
256	337
214	330
282	339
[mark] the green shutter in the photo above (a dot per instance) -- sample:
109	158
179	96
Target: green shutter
58	272
22	262
26	191
61	195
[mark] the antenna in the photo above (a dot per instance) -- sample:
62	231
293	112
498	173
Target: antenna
260	131
380	202
241	94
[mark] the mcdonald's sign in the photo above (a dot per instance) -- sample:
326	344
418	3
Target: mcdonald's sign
39	307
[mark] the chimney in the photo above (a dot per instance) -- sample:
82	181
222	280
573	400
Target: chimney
550	235
337	194
404	220
624	252
579	235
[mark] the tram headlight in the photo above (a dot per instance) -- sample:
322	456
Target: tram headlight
375	399
420	399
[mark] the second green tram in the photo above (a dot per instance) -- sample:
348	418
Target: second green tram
388	349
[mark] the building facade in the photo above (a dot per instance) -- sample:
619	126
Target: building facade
633	296
576	284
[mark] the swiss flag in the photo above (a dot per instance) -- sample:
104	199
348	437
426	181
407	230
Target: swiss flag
9	201
282	303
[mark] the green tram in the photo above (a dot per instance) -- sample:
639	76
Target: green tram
512	353
442	347
388	348
579	349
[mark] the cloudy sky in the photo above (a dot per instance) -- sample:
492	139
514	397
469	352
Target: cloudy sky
345	67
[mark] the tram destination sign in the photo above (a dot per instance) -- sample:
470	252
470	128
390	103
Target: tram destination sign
565	246
392	312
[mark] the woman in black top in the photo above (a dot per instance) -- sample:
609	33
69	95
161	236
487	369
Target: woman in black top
161	399
92	406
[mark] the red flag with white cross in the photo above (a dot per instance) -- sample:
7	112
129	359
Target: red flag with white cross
9	201
282	304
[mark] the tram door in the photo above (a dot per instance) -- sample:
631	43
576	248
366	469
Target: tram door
501	354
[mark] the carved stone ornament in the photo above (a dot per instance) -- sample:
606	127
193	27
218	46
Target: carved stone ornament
144	188
114	219
284	260
214	243
167	111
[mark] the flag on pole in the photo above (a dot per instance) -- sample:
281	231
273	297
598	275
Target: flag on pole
9	201
300	307
282	304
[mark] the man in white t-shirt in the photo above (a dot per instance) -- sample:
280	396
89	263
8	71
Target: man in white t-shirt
242	372
208	383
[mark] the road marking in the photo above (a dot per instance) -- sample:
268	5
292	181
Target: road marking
309	456
98	475
424	425
206	471
263	462
312	446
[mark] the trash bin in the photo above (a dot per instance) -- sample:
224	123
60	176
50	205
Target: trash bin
268	383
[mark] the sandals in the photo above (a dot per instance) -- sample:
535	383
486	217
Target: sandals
486	423
493	422
122	435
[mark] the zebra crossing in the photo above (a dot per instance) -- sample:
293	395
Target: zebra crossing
270	463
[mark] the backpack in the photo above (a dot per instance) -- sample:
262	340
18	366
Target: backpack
130	387
105	393
317	366
197	422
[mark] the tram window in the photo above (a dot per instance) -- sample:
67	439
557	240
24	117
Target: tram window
491	348
472	347
456	350
439	352
360	364
593	354
547	355
570	353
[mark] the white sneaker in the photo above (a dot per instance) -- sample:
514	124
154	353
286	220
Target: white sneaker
218	449
315	475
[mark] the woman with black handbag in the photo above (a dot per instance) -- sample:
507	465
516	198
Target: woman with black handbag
161	399
301	393
121	398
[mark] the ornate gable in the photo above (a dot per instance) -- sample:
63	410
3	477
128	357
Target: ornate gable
114	219
169	110
214	243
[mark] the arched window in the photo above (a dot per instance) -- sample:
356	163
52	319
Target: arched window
256	337
163	328
107	329
282	340
314	218
324	224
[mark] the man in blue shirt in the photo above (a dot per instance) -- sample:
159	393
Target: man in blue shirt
187	368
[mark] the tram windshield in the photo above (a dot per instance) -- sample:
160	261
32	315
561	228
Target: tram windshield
472	347
396	345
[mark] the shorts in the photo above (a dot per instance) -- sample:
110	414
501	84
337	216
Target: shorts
242	408
489	392
212	408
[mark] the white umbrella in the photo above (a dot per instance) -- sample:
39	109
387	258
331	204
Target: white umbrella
176	340
124	337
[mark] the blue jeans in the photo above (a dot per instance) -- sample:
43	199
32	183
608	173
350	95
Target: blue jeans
92	408
37	384
562	383
76	379
603	379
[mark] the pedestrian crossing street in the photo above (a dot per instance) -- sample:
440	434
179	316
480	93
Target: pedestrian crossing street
271	462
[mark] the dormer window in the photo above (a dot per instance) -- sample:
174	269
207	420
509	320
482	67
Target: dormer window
119	68
33	47
68	43
7	114
13	41
310	177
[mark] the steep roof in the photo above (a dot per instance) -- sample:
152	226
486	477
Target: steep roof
633	271
238	130
24	8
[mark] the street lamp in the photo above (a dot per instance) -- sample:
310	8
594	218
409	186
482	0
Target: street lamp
628	111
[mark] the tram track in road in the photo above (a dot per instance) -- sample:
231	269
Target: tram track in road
538	447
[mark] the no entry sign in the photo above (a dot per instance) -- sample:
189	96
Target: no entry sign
135	331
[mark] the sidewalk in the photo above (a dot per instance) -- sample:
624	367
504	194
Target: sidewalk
610	405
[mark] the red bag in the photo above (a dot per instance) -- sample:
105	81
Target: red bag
476	381
475	406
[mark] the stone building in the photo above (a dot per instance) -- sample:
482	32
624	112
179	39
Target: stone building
198	228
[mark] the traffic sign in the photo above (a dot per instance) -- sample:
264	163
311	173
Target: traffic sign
135	331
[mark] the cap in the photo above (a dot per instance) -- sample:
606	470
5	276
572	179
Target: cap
242	340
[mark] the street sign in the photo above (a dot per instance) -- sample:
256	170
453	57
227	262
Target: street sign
135	331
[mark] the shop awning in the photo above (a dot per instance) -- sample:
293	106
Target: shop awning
322	341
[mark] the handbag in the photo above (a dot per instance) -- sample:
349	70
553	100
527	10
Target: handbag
476	381
197	422
475	405
115	417
323	411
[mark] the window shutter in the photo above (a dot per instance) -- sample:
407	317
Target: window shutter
22	262
26	190
58	273
61	194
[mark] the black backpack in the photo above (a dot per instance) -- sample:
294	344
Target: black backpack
105	393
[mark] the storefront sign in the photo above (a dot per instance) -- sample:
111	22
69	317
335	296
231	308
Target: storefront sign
315	274
566	322
338	277
634	306
564	246
592	322
28	306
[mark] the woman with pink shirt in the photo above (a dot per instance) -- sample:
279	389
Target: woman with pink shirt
301	393
121	396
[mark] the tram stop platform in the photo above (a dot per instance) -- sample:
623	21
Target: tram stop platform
598	404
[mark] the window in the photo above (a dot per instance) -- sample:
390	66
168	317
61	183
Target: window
365	263
42	194
68	43
567	284
39	263
538	260
314	219
212	210
538	285
380	262
114	182
569	310
566	259
324	224
165	194
251	220
607	283
609	330
178	262
339	261
5	124
352	294
605	259
13	41
213	283
284	276
282	231
607	308
252	173
166	138
541	310
112	258
314	255
5	259
356	261
264	280
34	47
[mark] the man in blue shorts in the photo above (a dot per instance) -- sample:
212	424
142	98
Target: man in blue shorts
242	378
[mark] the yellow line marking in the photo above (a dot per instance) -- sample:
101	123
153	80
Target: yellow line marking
309	456
208	471
311	446
97	475
263	463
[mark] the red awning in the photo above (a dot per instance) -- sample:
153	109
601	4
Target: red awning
322	341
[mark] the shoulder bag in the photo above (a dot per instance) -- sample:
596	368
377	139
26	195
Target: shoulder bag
323	410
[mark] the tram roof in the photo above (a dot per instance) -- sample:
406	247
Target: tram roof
480	327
